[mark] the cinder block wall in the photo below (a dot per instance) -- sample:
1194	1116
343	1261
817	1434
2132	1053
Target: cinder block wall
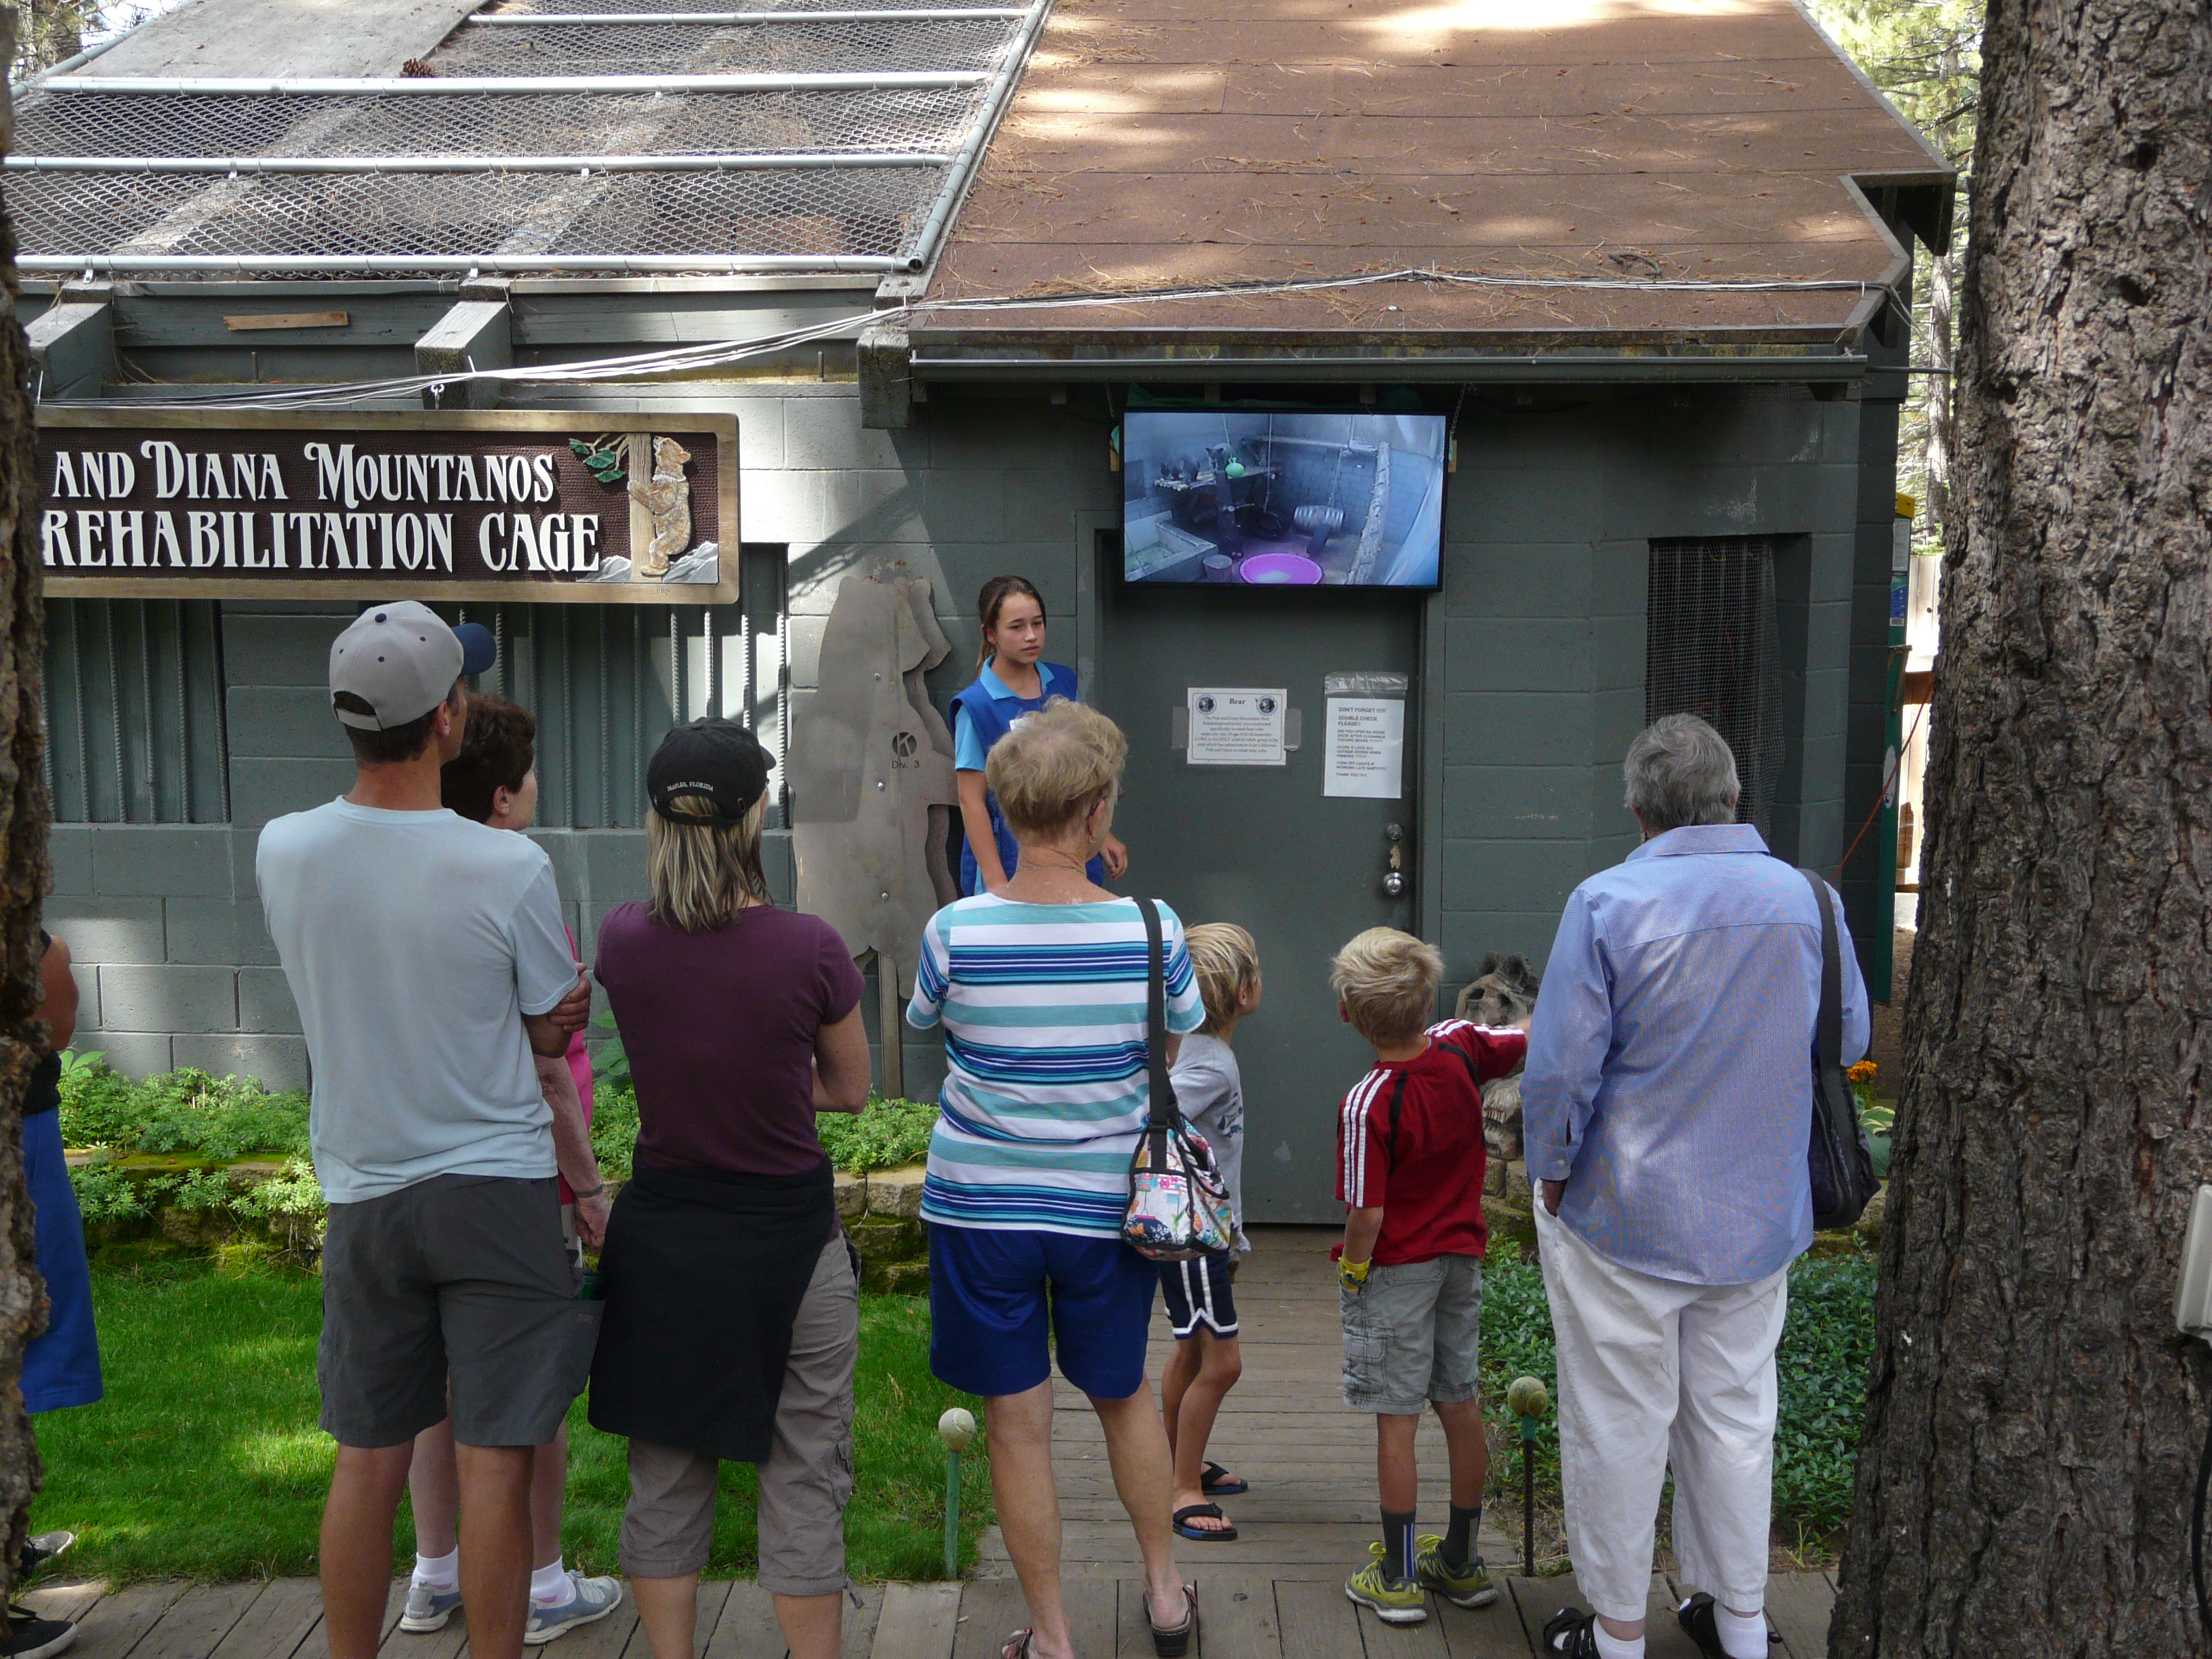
1534	652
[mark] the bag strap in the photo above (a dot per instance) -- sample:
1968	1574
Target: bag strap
1828	1035
1165	1112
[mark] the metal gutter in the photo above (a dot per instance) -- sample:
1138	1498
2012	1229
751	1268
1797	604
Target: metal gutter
946	15
959	175
461	264
770	162
457	85
1448	368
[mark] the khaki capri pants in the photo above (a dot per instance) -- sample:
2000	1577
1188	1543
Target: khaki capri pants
669	1527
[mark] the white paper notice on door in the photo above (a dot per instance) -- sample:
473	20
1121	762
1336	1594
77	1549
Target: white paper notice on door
1365	754
1235	726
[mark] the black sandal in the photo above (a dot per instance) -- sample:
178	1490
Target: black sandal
1217	1482
1203	1535
1174	1641
1571	1633
1016	1646
1699	1617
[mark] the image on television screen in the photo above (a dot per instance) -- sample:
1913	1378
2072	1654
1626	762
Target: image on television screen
1271	499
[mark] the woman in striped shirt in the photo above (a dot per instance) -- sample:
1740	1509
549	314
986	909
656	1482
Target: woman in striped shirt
1041	988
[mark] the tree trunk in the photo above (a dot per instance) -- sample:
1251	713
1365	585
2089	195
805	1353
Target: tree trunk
52	30
25	814
2026	1475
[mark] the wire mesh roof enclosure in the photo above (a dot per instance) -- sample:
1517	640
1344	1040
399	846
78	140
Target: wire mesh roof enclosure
593	137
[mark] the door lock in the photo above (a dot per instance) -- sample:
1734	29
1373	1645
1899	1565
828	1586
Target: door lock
1394	877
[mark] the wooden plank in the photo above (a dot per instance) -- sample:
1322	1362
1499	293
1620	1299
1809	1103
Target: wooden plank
1093	1613
712	1598
747	1628
1422	1641
858	1639
918	1621
1315	1621
990	1610
280	1620
606	1638
286	320
115	1628
1490	1632
201	1618
1536	1600
1236	1616
1798	1607
70	1600
394	1604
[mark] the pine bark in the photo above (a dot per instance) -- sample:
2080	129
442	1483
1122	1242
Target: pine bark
2026	1475
25	816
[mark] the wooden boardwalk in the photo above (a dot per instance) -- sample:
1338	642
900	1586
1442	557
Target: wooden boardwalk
1275	1594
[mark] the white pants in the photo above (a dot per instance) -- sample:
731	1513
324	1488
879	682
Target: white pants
1654	1373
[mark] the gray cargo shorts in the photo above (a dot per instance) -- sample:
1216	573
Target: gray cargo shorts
1413	1335
669	1527
459	1277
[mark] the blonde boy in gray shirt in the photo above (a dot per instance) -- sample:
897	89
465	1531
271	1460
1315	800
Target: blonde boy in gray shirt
1201	1303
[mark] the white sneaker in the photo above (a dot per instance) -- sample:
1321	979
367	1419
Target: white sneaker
593	1599
428	1607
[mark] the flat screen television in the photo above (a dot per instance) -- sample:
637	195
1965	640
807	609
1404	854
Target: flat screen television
1270	499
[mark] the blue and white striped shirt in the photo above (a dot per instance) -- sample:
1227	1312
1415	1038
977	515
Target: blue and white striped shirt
1669	1079
1046	1088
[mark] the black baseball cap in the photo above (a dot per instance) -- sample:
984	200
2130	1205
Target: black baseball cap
712	757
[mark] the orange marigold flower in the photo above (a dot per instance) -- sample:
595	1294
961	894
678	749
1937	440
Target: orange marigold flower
1862	1071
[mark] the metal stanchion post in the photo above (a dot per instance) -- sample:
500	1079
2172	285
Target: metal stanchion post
957	1429
1527	1400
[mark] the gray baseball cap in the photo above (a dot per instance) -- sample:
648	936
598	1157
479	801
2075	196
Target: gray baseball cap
402	658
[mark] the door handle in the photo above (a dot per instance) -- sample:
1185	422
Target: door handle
1394	873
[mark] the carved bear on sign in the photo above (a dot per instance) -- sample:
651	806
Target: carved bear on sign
664	498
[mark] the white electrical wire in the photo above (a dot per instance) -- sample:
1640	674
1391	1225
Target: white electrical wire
715	354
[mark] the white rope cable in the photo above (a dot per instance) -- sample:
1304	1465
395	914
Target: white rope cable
715	354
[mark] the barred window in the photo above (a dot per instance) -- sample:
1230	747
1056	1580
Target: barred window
1713	649
134	710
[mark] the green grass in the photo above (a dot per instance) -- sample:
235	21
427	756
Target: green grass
204	1460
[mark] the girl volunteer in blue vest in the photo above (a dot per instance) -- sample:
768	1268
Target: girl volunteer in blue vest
1011	681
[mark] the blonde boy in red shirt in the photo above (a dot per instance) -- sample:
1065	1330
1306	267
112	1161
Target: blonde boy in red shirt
1410	1161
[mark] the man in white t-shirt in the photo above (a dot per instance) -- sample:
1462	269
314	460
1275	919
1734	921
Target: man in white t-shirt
427	957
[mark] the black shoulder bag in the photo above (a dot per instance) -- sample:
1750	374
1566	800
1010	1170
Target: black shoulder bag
1839	1160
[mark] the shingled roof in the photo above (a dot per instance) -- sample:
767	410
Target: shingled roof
1157	144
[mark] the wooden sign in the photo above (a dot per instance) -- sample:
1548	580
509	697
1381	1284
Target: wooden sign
495	504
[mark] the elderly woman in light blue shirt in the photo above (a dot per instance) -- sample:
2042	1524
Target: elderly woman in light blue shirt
1667	1108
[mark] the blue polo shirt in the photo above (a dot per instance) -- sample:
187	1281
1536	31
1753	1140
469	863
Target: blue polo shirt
969	748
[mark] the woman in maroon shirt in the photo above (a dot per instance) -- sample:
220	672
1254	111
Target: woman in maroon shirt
732	1316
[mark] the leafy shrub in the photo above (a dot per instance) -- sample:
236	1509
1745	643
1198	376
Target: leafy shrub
187	1111
888	1133
1827	1344
106	1194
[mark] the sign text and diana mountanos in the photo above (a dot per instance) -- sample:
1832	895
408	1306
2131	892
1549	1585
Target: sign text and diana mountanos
505	504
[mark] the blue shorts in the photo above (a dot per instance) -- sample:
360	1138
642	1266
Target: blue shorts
62	1367
992	1292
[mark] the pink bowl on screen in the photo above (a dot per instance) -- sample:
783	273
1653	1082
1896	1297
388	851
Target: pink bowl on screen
1280	569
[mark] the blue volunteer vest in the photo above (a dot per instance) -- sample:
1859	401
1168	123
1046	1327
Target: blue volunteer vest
991	717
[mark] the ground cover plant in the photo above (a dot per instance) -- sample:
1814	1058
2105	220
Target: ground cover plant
199	1120
204	1460
1827	1342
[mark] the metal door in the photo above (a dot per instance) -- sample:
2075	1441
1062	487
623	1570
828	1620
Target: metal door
1263	845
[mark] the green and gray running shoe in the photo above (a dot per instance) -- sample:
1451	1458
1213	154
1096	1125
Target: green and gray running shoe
1463	1587
1401	1602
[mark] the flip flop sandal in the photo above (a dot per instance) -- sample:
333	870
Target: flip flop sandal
1016	1646
1203	1535
1570	1633
1217	1482
1174	1641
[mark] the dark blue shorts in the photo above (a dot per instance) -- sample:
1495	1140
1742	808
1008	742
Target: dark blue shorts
994	1292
